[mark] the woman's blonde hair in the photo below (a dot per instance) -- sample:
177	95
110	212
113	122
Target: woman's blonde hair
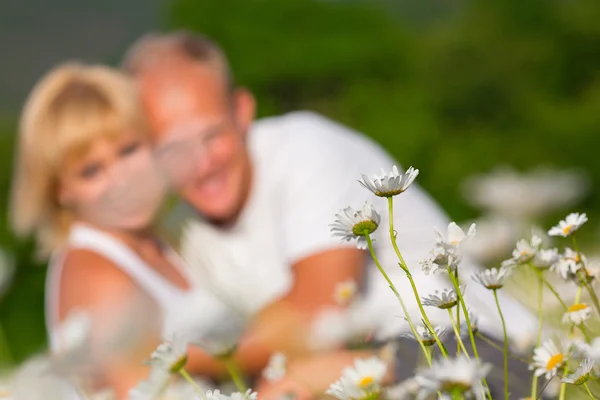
73	105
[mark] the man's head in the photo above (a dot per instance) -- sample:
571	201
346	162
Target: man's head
199	119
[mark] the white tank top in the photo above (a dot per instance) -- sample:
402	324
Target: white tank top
83	236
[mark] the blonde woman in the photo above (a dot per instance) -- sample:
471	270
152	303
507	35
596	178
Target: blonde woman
85	186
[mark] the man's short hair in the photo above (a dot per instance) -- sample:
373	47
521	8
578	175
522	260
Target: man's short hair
153	47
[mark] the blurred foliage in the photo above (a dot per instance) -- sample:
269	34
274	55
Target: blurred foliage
453	92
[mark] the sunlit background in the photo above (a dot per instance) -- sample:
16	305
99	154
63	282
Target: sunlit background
455	88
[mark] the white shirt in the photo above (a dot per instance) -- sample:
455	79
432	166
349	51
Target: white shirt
306	169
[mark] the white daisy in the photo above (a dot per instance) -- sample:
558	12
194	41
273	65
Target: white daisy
425	335
576	314
524	251
455	235
569	225
217	395
548	358
569	263
441	259
389	184
152	387
276	368
169	356
451	375
545	258
216	329
581	374
361	381
345	292
351	224
492	278
464	328
444	300
591	350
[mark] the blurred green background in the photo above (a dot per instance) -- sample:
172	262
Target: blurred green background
451	87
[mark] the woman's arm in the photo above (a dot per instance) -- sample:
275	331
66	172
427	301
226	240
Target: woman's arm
124	323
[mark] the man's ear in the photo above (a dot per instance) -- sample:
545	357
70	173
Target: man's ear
244	108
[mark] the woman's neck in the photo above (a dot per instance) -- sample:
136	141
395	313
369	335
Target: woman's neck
137	239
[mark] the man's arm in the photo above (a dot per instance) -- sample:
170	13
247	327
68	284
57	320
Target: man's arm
285	324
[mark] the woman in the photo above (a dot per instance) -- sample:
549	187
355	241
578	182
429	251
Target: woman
86	187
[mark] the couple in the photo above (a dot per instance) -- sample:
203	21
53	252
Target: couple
99	148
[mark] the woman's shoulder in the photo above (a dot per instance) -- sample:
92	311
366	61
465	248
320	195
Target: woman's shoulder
88	278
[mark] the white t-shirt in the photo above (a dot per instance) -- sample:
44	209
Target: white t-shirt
306	169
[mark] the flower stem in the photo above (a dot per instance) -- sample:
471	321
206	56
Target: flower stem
555	293
534	379
461	300
393	287
505	345
589	392
236	376
461	345
188	378
404	267
497	347
457	310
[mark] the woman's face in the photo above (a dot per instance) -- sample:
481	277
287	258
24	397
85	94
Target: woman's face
114	184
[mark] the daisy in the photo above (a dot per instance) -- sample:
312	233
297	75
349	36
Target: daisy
569	225
362	381
449	376
576	314
152	387
492	278
569	263
216	329
581	374
545	258
217	395
345	292
425	335
583	276
455	235
444	300
464	328
351	224
524	251
169	356
276	368
591	350
548	358
389	184
441	259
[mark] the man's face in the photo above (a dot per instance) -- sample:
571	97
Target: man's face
200	131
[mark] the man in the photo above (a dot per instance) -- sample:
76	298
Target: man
264	194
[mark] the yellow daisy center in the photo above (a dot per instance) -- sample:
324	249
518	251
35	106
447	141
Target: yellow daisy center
366	382
567	229
577	307
554	361
345	292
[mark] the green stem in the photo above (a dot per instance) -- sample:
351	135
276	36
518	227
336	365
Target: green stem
589	392
563	386
457	310
534	379
404	267
188	378
494	345
461	300
404	309
555	293
236	375
505	345
461	345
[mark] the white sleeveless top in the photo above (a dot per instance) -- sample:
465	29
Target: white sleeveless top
81	236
